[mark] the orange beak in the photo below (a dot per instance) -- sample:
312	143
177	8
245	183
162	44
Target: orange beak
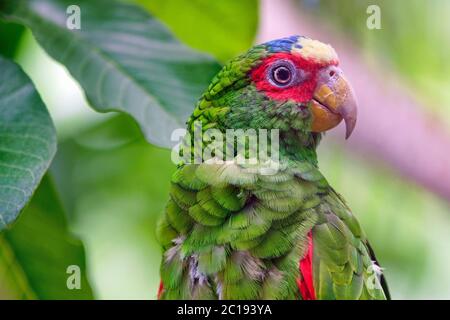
333	100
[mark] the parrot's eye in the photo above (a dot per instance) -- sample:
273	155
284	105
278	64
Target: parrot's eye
282	73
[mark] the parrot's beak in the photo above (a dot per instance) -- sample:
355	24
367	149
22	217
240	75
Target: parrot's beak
333	100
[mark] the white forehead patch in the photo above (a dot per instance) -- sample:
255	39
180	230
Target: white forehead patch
313	49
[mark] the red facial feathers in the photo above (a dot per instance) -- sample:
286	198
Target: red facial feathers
300	92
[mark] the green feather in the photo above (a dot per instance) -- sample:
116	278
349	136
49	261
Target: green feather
203	217
187	179
178	218
207	202
165	233
183	198
229	197
212	260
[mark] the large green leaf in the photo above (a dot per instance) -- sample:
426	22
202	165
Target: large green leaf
222	28
10	36
115	185
35	255
123	58
27	140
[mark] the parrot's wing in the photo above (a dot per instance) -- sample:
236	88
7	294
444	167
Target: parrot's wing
343	264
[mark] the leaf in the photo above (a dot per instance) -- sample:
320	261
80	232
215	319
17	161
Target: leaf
124	59
222	28
36	253
10	36
27	141
116	195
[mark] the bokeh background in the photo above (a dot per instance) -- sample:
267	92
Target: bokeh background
394	172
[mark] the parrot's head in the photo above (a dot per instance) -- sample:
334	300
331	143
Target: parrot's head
293	84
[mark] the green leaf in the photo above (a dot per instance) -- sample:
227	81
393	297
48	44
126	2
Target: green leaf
222	28
123	58
115	195
36	254
27	141
10	36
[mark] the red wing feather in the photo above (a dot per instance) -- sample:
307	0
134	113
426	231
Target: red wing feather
306	284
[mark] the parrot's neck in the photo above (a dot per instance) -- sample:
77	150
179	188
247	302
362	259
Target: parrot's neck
293	146
297	146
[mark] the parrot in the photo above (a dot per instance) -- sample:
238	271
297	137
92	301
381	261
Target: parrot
237	231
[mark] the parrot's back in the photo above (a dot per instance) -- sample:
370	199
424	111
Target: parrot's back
232	231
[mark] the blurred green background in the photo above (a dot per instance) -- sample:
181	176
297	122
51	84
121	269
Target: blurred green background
114	184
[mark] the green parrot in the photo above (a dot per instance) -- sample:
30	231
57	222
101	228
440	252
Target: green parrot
271	228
